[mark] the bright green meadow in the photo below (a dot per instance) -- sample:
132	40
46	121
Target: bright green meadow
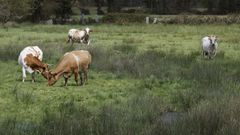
139	74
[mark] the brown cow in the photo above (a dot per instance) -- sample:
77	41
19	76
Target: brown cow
75	62
30	59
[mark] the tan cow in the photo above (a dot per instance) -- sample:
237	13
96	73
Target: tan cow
75	62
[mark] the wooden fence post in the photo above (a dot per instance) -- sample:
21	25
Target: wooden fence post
147	20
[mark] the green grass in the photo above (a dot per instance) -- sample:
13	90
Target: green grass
18	97
181	38
138	73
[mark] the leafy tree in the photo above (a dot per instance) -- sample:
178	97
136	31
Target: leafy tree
209	4
110	4
114	5
228	6
63	9
42	9
13	10
99	4
36	10
49	9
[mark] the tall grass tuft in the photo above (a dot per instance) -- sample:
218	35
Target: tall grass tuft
217	117
125	48
10	52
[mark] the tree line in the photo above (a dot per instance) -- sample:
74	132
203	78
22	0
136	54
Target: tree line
37	10
178	6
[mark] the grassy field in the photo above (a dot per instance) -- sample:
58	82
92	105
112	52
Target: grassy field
138	74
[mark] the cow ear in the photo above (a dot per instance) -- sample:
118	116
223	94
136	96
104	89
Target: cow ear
90	30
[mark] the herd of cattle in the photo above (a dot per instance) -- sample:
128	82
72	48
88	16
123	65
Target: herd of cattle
77	62
74	62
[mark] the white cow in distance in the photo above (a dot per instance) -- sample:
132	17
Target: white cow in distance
209	46
30	59
80	36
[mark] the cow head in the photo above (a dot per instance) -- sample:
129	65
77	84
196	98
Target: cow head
88	30
51	77
213	40
36	64
44	70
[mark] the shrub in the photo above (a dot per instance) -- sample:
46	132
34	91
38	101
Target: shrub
218	117
123	18
200	19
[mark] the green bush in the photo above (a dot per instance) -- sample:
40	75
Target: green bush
124	18
200	19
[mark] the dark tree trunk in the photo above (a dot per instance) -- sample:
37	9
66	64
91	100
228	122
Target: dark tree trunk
37	10
210	6
99	4
110	5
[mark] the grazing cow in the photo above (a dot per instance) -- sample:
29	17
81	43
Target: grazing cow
209	46
80	36
75	62
30	59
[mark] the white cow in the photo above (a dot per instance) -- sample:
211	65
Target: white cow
80	36
31	55
209	46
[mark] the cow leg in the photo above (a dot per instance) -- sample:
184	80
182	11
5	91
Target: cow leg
81	41
88	43
68	40
76	77
72	42
214	53
33	77
209	55
23	74
66	77
85	76
65	81
81	78
203	54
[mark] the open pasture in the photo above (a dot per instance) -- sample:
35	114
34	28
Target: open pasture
139	72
